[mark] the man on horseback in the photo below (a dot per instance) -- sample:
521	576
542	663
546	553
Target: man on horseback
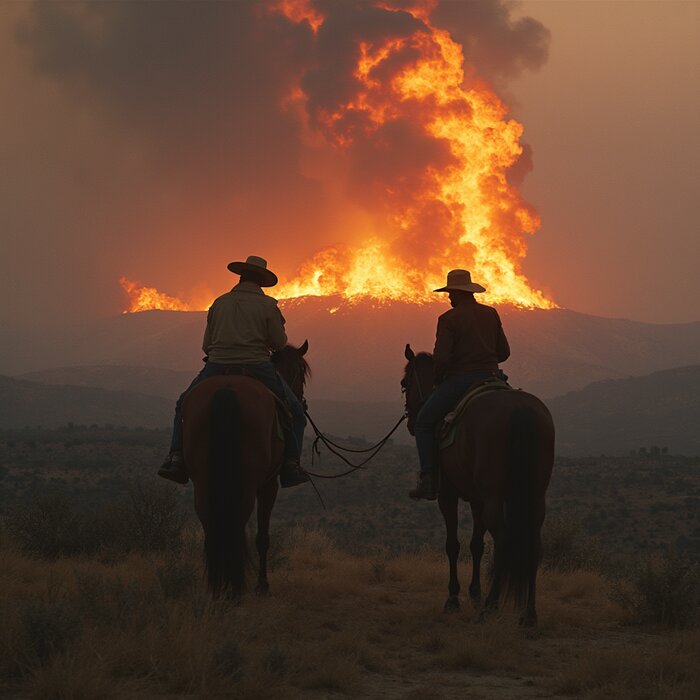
469	344
243	327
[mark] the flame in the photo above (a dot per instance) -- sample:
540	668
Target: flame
457	211
149	298
419	78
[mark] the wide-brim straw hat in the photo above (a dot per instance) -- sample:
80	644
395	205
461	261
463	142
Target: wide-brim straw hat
257	265
460	280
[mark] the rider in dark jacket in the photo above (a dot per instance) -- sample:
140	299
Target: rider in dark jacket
469	344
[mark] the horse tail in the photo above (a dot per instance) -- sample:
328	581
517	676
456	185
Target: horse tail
225	542
516	562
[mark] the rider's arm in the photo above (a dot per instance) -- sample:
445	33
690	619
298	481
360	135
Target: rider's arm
206	342
276	335
444	341
502	347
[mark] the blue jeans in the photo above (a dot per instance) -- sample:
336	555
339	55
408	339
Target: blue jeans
442	400
266	373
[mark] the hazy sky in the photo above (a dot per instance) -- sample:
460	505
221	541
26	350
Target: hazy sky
614	119
148	140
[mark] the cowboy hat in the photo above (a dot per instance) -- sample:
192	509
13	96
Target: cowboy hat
460	280
257	265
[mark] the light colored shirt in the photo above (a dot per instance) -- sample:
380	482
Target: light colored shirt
243	326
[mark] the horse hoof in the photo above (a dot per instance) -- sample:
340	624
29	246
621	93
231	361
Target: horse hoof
476	602
451	604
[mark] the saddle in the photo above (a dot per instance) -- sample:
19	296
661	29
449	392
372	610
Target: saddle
448	428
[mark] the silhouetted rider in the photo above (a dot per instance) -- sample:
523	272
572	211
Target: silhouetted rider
244	326
469	344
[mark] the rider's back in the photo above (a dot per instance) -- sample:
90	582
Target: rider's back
469	337
243	326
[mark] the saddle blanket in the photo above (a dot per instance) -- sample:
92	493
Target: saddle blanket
448	428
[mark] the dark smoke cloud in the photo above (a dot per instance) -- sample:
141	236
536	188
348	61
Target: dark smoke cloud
191	155
200	82
495	44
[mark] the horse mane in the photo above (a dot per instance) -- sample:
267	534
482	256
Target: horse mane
421	360
289	358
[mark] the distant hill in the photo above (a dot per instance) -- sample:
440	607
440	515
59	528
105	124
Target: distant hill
154	381
24	403
356	350
661	409
613	416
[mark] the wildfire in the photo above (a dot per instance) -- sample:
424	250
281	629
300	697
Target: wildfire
149	298
453	209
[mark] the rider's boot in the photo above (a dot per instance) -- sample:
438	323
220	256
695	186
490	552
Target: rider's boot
292	473
173	468
426	488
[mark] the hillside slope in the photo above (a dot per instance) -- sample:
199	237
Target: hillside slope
24	403
660	409
356	350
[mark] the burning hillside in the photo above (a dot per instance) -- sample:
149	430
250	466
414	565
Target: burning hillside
428	153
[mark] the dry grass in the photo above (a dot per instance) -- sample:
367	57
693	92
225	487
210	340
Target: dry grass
336	625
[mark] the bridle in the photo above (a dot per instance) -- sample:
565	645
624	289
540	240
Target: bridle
413	376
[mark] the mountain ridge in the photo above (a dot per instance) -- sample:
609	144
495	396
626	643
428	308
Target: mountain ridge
356	350
611	416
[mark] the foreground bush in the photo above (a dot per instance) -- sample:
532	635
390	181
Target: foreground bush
565	547
663	591
150	518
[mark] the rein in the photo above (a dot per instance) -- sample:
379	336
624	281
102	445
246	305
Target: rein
336	449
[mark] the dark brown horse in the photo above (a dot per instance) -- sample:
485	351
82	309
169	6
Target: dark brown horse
233	450
501	463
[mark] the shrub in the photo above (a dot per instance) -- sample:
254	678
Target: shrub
565	547
154	517
151	519
664	591
46	529
48	629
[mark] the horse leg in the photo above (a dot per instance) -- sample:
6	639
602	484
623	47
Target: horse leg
476	547
266	500
448	502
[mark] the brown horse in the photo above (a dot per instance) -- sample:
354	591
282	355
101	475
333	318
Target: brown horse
501	463
233	450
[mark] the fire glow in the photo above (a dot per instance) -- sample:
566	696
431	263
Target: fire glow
458	211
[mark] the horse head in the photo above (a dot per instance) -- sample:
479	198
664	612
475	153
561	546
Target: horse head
417	382
293	367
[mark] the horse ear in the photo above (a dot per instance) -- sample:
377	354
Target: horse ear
304	348
408	353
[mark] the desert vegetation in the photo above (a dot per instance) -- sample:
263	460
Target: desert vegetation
137	622
102	592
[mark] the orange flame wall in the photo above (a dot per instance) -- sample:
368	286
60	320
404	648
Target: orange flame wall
429	159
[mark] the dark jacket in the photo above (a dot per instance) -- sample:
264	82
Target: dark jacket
469	337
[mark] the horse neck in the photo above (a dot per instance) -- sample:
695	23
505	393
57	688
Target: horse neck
293	374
